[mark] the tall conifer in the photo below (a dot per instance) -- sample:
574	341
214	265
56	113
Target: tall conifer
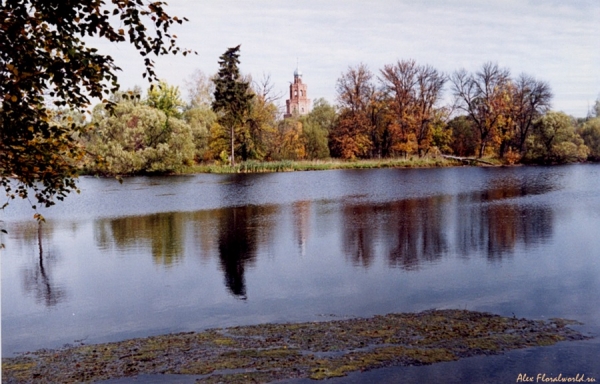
232	95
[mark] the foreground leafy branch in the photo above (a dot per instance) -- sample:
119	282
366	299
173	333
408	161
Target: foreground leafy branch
46	64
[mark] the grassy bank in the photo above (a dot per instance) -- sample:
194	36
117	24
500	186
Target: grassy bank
318	165
271	352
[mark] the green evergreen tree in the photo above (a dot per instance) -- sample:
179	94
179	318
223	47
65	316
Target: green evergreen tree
232	96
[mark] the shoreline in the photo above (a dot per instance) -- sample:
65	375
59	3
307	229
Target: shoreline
315	350
317	165
254	166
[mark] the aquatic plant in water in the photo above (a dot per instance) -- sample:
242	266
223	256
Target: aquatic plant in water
318	350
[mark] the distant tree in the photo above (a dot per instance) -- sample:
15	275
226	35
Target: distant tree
464	136
316	127
202	121
554	140
414	91
264	89
261	124
200	89
531	99
350	136
166	98
136	138
590	133
478	95
382	118
441	134
45	61
355	89
232	96
289	142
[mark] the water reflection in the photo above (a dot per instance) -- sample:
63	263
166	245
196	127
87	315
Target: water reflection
241	229
490	224
407	234
420	233
360	224
496	230
411	231
38	278
234	234
301	214
414	232
511	186
163	232
346	243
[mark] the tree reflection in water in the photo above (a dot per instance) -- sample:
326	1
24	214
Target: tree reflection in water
241	230
407	233
37	279
236	237
162	231
412	232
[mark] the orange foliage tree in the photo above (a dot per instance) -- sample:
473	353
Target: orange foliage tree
479	95
350	136
413	92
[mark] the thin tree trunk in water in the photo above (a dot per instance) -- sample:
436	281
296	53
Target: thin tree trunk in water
40	242
232	155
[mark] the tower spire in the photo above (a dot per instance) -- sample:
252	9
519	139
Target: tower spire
297	73
298	103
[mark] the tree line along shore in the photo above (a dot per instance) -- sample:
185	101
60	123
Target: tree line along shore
232	123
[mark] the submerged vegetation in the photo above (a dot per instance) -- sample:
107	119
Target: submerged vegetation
316	350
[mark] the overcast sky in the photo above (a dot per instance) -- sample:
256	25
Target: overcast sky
553	40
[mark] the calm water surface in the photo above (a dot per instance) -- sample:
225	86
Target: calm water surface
158	255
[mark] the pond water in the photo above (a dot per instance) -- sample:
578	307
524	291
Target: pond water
156	255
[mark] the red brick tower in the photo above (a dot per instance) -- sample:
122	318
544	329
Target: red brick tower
298	103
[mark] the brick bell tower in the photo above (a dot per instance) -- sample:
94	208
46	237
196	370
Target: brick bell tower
298	103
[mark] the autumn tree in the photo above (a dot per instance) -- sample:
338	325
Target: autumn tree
350	136
531	99
202	121
289	143
199	114
232	96
464	136
47	64
261	124
413	91
441	133
478	95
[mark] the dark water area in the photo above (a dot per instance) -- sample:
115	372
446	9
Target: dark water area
185	253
